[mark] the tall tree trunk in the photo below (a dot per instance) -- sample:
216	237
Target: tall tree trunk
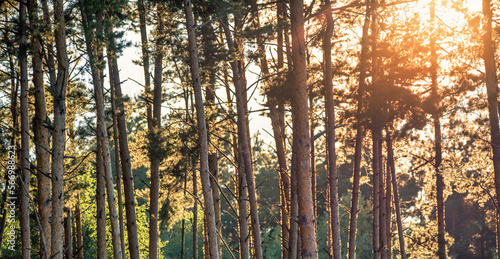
128	181
202	132
68	235
244	148
388	209
376	197
59	134
244	250
195	216
392	169
79	235
382	200
376	135
441	253
94	51
330	135
41	133
154	132
101	204
117	162
276	115
294	204
145	60
25	164
301	127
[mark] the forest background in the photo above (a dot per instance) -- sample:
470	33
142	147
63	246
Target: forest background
239	129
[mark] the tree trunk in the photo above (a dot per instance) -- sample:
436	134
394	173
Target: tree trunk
78	224
154	131
202	132
68	235
437	140
330	135
388	209
294	204
301	127
24	163
145	60
195	216
94	51
376	197
41	133
101	204
117	162
382	200
244	148
392	169
59	135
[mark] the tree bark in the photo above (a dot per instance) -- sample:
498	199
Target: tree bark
392	169
68	235
244	148
117	161
202	133
94	51
101	204
441	253
330	135
41	133
301	127
59	135
154	131
145	60
24	158
78	224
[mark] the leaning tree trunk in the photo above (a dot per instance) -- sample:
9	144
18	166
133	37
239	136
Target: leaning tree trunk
94	51
330	135
392	169
202	133
243	145
441	253
41	133
59	135
301	128
24	185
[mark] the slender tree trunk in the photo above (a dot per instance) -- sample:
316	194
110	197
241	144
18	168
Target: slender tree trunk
78	224
41	133
244	250
382	201
441	253
313	154
195	216
330	135
68	235
244	148
94	51
59	134
388	209
117	162
301	127
25	164
101	204
202	132
294	204
155	124
376	197
128	181
276	115
376	135
145	60
392	169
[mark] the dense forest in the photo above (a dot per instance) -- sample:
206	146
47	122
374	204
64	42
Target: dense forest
249	129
